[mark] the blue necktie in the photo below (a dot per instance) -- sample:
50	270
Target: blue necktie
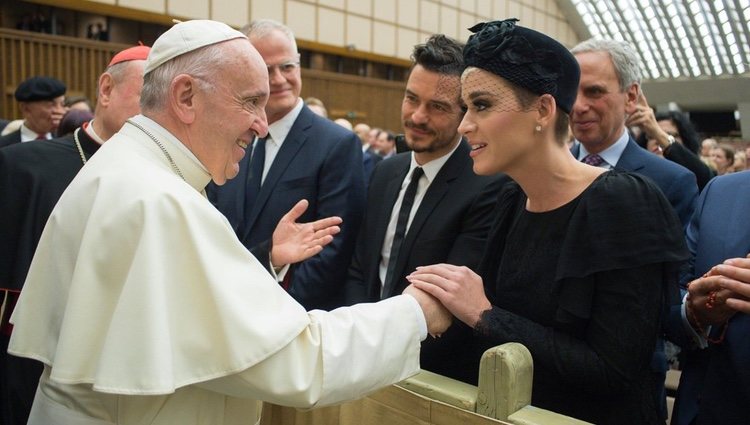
398	237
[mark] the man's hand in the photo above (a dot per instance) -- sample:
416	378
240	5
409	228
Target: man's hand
736	272
438	318
294	242
644	118
706	301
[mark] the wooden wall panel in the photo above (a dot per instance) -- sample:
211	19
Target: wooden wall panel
375	102
77	62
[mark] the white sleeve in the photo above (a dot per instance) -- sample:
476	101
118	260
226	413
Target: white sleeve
342	355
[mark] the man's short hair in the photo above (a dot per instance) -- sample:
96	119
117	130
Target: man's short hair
440	54
624	58
260	28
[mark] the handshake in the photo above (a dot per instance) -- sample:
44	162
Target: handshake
438	318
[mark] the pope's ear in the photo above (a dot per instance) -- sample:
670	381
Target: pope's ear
182	93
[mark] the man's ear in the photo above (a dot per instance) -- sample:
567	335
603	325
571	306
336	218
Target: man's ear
631	98
106	85
182	98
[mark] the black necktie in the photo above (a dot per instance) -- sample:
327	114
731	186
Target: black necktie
255	174
398	237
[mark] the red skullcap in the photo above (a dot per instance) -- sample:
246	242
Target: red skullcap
131	54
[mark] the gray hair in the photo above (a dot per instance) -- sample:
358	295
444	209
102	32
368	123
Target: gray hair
200	64
118	71
624	58
261	28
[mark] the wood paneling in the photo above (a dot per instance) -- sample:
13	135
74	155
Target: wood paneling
358	99
77	62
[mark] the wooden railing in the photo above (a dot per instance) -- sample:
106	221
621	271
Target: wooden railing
79	62
503	397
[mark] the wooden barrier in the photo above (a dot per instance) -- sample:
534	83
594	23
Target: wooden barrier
502	397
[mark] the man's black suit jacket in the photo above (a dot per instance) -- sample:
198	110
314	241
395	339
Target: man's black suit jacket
319	161
10	139
450	226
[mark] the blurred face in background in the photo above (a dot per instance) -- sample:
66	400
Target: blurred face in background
598	115
284	75
43	116
719	157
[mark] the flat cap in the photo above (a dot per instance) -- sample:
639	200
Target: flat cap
187	36
39	88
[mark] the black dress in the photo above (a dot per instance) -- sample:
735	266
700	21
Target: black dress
584	287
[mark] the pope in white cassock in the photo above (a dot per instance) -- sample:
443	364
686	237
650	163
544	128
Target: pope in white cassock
141	302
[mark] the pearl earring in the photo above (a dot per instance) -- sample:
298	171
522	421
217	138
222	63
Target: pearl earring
538	128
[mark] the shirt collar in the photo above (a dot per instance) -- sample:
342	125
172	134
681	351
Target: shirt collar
29	134
432	168
612	154
196	175
89	129
280	129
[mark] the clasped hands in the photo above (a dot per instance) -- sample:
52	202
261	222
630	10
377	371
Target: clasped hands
720	293
456	290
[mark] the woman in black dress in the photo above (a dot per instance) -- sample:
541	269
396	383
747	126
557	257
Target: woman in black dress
581	262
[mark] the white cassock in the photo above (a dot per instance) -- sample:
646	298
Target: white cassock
145	308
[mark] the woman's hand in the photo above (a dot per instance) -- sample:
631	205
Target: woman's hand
458	288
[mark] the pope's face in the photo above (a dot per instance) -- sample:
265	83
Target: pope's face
232	112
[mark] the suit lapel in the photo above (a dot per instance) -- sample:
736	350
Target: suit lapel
290	147
432	198
575	150
390	195
629	160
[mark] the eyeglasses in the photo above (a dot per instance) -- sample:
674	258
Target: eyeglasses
285	68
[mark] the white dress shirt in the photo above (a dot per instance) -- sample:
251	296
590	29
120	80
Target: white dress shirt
431	169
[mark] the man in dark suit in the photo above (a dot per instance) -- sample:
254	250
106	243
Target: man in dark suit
607	93
41	103
451	209
304	157
33	176
715	383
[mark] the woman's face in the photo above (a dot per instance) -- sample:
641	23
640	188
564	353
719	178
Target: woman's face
670	128
653	146
499	129
720	160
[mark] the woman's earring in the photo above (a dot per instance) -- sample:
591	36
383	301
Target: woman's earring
538	128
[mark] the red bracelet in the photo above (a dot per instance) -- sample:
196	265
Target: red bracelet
699	326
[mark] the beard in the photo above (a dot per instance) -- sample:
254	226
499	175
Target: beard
429	141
